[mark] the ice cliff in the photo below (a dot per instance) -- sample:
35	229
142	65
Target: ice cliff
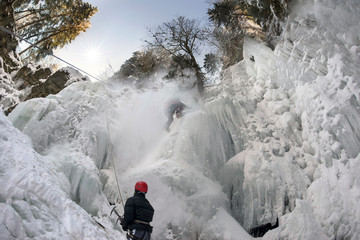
278	138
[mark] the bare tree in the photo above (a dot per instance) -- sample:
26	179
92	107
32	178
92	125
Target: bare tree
181	37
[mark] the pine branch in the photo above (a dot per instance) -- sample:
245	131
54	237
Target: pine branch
32	11
40	20
42	40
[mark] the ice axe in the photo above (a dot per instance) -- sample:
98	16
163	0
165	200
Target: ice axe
119	218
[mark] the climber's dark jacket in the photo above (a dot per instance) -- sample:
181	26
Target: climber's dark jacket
137	208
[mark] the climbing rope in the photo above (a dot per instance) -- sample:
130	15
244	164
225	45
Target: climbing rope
112	160
62	60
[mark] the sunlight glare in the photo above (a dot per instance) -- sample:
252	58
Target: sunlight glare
93	54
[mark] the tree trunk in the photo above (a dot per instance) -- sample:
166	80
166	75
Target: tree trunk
200	81
198	74
8	42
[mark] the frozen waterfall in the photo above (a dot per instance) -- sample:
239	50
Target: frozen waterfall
276	140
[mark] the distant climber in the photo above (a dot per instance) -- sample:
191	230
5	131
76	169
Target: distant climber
174	106
138	213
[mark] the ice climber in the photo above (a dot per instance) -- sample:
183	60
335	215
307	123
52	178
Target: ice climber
138	213
174	106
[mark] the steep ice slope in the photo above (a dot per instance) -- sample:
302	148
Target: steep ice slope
35	195
329	108
325	49
294	117
82	128
263	180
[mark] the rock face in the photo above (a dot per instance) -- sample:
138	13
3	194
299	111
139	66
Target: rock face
27	76
53	84
30	82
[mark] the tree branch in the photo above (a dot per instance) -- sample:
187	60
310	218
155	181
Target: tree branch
42	40
40	20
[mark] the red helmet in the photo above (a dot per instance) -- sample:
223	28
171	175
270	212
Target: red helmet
141	186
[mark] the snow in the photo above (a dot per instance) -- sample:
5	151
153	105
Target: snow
338	190
301	225
35	197
278	138
9	95
75	76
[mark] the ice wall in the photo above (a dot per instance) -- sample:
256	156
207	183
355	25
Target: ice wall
188	164
293	117
70	131
182	169
319	54
35	195
265	175
85	126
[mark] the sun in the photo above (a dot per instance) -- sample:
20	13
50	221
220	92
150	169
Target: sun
93	54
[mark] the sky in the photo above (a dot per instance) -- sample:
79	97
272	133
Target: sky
119	28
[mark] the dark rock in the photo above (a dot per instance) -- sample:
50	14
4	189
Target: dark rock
54	84
9	110
38	83
27	76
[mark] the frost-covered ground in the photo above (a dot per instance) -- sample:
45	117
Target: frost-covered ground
277	139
